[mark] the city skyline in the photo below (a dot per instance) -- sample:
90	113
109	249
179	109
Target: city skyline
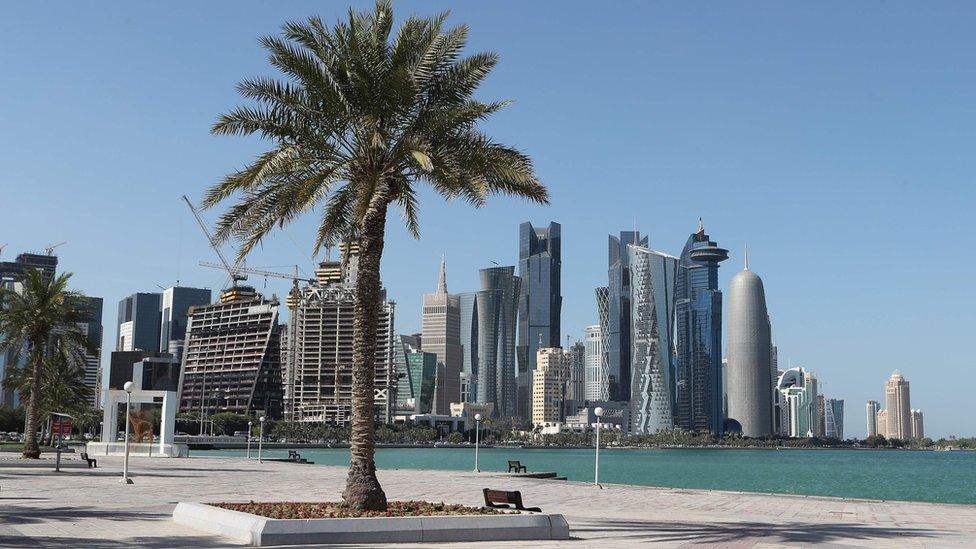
800	149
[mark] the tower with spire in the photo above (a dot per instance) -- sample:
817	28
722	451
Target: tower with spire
698	320
441	335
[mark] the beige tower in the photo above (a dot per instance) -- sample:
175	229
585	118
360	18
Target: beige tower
882	422
441	335
549	381
918	431
897	407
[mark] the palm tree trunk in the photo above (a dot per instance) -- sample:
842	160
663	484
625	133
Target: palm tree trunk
363	490
31	450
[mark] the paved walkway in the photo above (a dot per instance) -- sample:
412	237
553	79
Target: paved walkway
89	508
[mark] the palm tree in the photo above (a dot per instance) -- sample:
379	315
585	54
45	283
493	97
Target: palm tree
360	120
41	319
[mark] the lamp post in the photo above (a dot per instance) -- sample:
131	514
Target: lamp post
596	472
477	436
125	462
260	438
249	431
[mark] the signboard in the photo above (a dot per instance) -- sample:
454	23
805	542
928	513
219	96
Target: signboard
59	426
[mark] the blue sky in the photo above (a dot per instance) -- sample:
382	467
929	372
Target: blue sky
835	140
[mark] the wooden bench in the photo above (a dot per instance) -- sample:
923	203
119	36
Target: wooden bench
515	466
500	499
91	461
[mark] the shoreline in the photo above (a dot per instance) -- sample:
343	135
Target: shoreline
209	446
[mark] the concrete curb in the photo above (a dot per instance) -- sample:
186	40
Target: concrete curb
263	532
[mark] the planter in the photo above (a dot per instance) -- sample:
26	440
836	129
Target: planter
261	531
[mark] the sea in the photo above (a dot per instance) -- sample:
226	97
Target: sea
903	475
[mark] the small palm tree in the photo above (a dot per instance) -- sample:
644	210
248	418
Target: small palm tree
42	320
362	118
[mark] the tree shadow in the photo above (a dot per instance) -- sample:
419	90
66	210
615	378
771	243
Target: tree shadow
803	533
159	542
14	515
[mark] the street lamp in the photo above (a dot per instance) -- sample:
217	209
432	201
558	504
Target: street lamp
477	433
249	431
128	404
596	473
260	438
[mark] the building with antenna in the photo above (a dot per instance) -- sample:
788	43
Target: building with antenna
698	381
749	354
441	335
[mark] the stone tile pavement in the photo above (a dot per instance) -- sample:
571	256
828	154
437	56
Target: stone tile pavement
90	508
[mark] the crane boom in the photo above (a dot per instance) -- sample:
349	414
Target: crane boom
235	270
259	272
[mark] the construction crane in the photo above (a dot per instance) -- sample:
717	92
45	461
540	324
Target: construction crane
233	271
294	278
50	247
2	246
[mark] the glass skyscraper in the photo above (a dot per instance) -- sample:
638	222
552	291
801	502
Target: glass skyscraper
615	310
497	304
540	300
469	344
652	282
698	369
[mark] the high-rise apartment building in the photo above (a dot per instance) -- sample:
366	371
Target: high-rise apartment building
549	381
232	356
698	380
614	307
175	307
882	421
834	418
596	381
138	325
872	408
898	407
318	370
441	335
497	306
540	297
749	352
652	280
821	423
918	430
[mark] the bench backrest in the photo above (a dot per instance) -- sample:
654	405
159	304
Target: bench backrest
512	463
84	455
494	497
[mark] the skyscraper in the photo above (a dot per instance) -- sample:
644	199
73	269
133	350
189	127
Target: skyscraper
318	375
232	356
596	381
617	311
497	304
416	372
872	409
834	418
881	419
749	397
898	407
800	397
175	305
441	335
93	360
698	383
540	298
468	305
138	325
918	430
652	279
576	388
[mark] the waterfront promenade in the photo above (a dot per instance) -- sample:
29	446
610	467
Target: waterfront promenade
89	508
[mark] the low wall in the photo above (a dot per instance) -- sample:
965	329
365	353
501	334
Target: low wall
138	449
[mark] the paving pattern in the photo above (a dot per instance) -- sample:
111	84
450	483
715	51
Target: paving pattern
90	508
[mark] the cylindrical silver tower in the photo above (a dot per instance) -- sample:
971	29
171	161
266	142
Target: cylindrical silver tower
749	377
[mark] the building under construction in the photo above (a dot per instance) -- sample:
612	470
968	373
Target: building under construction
318	358
232	356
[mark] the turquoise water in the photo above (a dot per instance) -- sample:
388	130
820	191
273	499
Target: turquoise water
946	477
